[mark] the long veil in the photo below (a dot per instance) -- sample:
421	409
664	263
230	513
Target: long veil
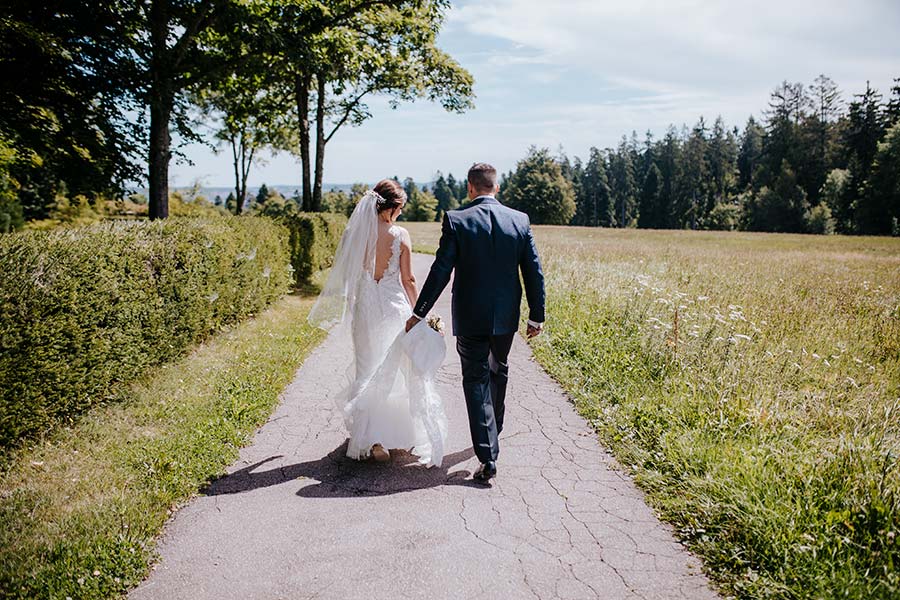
355	254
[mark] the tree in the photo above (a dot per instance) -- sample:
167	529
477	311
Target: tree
61	108
337	201
750	153
835	193
782	141
446	197
538	188
670	165
721	154
892	110
11	216
594	202
879	212
249	120
331	74
176	47
652	212
691	201
819	134
864	129
622	186
819	220
420	204
781	208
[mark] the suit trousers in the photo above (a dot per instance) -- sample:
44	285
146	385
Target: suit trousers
485	372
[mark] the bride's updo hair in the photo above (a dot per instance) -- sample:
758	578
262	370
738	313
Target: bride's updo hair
392	195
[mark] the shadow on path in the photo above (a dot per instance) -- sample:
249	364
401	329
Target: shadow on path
337	476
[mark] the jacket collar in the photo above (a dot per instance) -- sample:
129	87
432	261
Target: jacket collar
484	200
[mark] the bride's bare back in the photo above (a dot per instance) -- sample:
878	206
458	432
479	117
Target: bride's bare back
384	249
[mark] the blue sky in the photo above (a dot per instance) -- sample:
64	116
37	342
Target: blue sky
581	73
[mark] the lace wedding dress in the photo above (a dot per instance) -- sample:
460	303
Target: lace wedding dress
391	398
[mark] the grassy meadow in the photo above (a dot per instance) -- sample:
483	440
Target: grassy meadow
751	384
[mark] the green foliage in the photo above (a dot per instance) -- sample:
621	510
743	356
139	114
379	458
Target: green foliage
445	196
593	199
61	108
880	211
819	220
84	309
81	512
421	205
781	208
11	216
723	217
314	238
538	188
835	194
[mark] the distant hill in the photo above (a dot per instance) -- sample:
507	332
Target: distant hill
210	192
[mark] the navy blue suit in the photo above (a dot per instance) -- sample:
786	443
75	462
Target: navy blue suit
485	245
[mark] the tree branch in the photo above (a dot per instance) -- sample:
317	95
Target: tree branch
347	112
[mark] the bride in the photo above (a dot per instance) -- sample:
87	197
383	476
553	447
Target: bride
391	402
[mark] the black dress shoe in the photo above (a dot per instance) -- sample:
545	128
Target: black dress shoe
485	472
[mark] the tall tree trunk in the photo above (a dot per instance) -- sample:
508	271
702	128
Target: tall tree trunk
161	104
160	153
301	89
237	174
320	143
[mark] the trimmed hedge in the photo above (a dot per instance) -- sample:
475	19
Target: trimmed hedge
83	309
314	239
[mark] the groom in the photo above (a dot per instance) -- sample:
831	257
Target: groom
487	244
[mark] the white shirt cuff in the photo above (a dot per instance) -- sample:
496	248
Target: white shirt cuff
534	324
417	316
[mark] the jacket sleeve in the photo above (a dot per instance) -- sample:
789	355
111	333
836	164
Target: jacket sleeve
439	276
533	277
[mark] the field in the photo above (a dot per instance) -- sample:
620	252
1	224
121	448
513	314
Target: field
751	384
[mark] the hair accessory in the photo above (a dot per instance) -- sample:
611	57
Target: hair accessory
379	199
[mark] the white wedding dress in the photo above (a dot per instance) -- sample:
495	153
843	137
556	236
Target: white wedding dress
391	398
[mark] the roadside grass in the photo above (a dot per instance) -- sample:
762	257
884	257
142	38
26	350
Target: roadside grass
751	384
80	511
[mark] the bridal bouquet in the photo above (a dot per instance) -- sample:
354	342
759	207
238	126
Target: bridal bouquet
436	323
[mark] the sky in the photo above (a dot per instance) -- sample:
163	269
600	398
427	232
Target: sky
581	73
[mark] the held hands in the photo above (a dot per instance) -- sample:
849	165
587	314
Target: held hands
533	331
410	322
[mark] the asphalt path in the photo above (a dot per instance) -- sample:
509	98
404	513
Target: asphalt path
293	518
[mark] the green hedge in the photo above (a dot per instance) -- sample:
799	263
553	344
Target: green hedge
83	309
314	238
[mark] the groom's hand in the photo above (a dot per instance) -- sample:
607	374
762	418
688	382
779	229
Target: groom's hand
533	331
410	322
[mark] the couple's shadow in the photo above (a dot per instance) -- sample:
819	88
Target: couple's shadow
336	476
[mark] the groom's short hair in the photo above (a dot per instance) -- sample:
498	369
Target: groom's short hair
482	177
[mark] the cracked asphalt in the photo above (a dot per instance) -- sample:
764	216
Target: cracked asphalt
293	518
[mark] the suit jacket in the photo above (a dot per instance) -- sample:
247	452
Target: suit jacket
488	244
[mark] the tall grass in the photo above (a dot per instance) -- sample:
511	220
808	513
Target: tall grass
751	382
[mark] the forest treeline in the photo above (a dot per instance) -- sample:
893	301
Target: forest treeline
813	164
